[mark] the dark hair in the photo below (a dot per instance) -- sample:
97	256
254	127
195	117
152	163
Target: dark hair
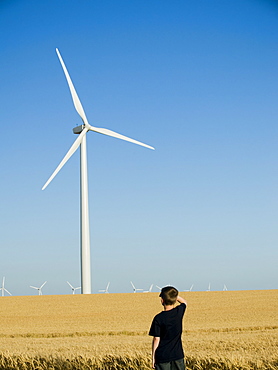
169	295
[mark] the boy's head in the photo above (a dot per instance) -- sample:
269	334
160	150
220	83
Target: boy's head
169	295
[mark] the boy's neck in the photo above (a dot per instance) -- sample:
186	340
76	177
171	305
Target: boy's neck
168	307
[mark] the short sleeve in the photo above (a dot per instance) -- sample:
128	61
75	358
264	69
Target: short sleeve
155	328
182	307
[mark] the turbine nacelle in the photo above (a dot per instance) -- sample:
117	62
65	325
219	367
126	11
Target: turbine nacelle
77	130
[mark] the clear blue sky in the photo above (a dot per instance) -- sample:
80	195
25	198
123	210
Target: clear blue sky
198	80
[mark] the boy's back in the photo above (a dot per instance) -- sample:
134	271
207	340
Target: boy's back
168	326
166	330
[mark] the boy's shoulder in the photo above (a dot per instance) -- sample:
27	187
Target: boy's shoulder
179	308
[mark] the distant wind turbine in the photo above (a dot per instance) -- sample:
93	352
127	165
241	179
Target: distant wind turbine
150	289
3	288
72	288
189	290
81	141
38	289
158	287
225	288
135	289
208	290
106	289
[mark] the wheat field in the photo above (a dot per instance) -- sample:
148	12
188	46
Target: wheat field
233	330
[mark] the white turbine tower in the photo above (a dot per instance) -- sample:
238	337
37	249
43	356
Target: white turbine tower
38	289
106	289
81	141
3	288
135	289
72	288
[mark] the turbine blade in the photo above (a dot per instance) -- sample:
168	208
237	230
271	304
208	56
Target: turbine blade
107	132
43	284
75	98
70	285
7	291
34	287
71	151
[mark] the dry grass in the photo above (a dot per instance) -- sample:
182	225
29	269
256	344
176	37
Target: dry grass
222	330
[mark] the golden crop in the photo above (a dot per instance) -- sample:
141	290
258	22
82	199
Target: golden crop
222	330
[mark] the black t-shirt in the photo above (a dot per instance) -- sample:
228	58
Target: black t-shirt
168	326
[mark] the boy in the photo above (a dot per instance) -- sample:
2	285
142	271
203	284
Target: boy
166	329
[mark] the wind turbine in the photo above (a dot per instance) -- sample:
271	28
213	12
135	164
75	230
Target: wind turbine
189	290
208	290
81	141
38	289
150	289
72	288
106	289
225	288
3	288
158	287
135	289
